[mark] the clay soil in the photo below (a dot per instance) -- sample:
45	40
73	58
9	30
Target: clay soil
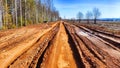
59	45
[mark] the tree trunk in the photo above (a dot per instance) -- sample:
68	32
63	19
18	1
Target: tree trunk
0	19
25	14
21	13
6	17
1	23
36	12
88	21
79	20
16	13
95	21
13	14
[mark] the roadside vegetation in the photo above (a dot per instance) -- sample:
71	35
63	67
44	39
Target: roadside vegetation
18	13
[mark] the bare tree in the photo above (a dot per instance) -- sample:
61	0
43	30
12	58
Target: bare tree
96	14
80	16
89	16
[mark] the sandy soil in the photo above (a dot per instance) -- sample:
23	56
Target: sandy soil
59	45
60	54
8	55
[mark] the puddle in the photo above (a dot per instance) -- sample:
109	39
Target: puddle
80	32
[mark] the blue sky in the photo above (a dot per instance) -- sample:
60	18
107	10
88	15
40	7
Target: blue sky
70	8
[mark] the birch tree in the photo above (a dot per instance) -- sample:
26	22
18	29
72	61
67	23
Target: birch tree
24	12
21	12
16	18
1	10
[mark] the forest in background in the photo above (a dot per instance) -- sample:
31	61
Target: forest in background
17	13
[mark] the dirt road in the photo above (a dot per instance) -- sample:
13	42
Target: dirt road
95	51
58	45
60	54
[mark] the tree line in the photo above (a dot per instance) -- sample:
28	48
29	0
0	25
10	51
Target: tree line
17	13
94	14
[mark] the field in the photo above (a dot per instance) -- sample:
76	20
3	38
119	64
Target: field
106	26
61	45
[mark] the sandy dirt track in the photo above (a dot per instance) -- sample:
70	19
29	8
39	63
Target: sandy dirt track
58	45
61	54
